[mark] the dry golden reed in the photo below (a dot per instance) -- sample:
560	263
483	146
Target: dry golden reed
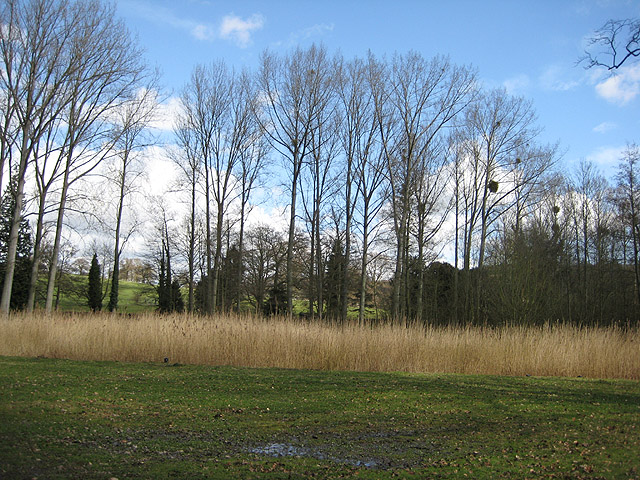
558	350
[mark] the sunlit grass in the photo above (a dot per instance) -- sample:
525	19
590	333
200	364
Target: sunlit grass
133	297
558	350
65	419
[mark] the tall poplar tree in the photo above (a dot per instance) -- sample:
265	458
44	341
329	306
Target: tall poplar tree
296	93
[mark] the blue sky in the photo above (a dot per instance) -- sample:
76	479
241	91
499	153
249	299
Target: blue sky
530	47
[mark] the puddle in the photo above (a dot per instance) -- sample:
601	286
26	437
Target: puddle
280	450
287	450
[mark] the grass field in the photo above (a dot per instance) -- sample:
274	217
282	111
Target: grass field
559	350
65	419
132	297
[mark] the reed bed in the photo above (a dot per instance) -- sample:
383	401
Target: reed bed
551	350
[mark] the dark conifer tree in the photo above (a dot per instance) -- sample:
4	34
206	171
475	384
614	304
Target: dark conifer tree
22	272
333	280
94	292
177	302
164	287
228	279
276	302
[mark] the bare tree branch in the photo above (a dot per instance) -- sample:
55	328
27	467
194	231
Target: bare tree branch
613	44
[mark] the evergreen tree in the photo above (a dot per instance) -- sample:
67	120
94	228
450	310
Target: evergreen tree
229	287
200	294
169	294
276	302
164	288
94	292
438	293
22	272
113	294
177	302
334	277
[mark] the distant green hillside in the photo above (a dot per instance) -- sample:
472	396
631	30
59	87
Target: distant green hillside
133	297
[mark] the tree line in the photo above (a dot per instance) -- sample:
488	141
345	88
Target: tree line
388	165
72	96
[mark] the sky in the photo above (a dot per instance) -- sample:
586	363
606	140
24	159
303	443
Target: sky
529	47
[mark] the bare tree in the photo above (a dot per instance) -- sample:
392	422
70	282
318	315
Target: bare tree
36	42
196	126
219	128
226	96
498	127
422	99
499	160
358	81
317	182
431	205
65	65
48	163
205	100
628	197
613	44
295	91
187	159
350	79
253	160
133	119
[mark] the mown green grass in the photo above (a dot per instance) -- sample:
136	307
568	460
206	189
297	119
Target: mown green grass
63	419
132	297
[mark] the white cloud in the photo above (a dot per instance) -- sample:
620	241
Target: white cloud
518	84
622	87
606	157
203	32
605	127
231	27
238	30
166	113
554	78
316	30
165	16
275	217
161	171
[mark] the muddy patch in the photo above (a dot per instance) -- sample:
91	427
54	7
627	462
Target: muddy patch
289	450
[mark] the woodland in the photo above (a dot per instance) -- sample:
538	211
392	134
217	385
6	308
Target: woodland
411	192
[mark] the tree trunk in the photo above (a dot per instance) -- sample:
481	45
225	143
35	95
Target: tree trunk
115	278
5	302
312	269
240	253
209	300
192	244
319	264
397	278
37	253
363	266
347	246
456	250
420	266
218	254
53	269
290	241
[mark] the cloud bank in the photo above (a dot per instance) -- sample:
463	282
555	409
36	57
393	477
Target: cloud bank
621	88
